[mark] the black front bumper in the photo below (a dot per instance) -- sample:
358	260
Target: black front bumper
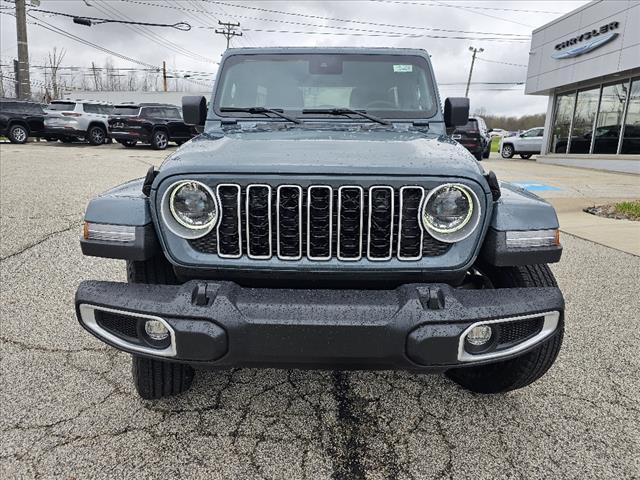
220	324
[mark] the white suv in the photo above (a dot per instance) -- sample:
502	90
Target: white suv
69	121
526	144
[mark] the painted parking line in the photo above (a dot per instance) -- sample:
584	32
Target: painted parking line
534	186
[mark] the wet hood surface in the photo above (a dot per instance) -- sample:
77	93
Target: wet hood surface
324	151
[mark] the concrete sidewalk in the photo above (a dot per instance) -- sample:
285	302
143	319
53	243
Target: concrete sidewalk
570	190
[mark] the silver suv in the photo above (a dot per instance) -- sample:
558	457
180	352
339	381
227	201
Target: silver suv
526	143
71	121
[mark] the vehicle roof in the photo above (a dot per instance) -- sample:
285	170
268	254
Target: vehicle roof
138	105
327	50
79	100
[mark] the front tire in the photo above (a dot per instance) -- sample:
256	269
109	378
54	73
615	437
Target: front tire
18	134
521	371
153	378
507	151
159	140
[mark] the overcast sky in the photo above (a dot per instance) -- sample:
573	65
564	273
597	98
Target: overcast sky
307	23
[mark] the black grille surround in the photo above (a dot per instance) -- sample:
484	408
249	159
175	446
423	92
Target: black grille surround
320	222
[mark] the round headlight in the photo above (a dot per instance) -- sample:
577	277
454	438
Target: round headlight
193	205
450	212
189	209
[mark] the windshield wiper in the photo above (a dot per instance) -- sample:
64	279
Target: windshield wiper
347	111
262	111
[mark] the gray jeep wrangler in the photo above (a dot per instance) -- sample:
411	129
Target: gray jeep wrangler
325	219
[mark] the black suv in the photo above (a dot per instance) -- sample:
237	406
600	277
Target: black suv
20	120
474	136
154	123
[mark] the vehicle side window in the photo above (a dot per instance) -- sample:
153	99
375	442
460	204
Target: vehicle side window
540	132
151	112
8	106
172	113
33	109
531	133
90	108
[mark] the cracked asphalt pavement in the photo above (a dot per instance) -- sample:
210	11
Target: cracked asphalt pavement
68	408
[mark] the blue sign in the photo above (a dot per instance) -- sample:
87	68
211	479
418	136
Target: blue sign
532	186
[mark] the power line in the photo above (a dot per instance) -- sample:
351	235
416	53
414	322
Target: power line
502	63
148	33
460	7
319	17
405	2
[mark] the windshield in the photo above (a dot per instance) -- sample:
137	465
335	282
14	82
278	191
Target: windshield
62	106
392	86
125	110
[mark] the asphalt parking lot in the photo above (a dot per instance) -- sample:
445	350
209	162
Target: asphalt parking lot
68	409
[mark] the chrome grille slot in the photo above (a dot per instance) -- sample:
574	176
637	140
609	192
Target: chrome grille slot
258	217
294	222
228	230
319	224
289	222
381	212
411	235
350	220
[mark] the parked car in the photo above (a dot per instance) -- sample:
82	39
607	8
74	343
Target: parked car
325	219
154	123
73	120
20	120
525	144
474	136
497	132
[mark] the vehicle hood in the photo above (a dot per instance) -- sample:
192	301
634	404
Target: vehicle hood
322	151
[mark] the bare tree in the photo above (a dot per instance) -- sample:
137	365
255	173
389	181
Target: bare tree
53	62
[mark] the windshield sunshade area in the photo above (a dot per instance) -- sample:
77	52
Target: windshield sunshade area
391	86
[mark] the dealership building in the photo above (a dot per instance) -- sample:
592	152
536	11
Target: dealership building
588	63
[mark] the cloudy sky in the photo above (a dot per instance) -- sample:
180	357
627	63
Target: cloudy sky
502	28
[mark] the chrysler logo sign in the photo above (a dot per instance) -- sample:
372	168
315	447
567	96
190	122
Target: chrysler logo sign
586	42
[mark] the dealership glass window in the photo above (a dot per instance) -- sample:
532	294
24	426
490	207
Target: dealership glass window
631	134
610	118
585	114
562	122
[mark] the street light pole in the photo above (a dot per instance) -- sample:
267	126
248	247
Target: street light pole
473	60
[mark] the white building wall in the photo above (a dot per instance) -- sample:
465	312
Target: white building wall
546	73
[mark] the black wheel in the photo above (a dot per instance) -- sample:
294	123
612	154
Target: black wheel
487	152
159	140
507	151
526	156
96	135
154	378
18	134
523	370
478	156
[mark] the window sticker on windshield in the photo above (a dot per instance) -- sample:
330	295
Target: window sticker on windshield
402	68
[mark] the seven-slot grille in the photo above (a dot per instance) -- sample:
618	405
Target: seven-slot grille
319	222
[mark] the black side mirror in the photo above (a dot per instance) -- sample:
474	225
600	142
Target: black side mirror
456	113
194	110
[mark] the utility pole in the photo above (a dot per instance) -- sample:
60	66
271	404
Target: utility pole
164	75
473	60
228	31
23	83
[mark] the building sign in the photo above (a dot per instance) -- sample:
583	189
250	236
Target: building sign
586	42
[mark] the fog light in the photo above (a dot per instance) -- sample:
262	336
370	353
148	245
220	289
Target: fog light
156	330
479	335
